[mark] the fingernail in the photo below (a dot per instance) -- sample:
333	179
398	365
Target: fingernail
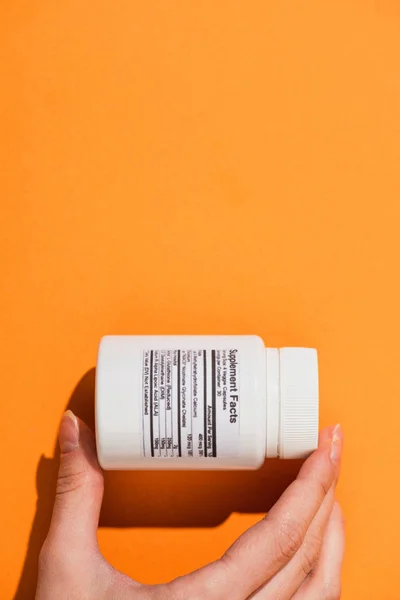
69	432
336	444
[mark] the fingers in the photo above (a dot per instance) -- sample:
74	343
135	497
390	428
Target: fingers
288	580
79	488
266	548
325	580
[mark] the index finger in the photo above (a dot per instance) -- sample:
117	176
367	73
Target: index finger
266	547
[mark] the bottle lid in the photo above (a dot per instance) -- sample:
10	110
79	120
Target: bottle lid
299	400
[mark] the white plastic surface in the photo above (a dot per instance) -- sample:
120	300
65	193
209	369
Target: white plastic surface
299	402
277	406
273	402
119	397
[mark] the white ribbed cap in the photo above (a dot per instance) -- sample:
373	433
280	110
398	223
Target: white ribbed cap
298	428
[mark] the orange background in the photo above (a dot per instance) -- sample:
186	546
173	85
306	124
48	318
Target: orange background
211	167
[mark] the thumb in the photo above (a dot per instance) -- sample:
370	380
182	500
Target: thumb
79	488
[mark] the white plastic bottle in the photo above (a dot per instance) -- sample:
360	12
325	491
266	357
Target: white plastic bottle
203	402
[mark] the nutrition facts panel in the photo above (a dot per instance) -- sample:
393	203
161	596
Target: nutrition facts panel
190	403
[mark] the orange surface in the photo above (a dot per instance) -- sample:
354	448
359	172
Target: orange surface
175	167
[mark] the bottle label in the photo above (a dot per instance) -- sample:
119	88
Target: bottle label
190	403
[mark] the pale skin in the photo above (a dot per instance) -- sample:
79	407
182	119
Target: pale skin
294	553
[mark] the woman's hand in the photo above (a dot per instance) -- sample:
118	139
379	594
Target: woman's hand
295	552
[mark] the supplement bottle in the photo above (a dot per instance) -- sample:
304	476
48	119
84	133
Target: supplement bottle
203	402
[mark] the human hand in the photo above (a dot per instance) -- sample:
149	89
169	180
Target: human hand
294	553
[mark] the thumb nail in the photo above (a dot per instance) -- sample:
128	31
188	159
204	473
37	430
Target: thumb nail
69	432
336	444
